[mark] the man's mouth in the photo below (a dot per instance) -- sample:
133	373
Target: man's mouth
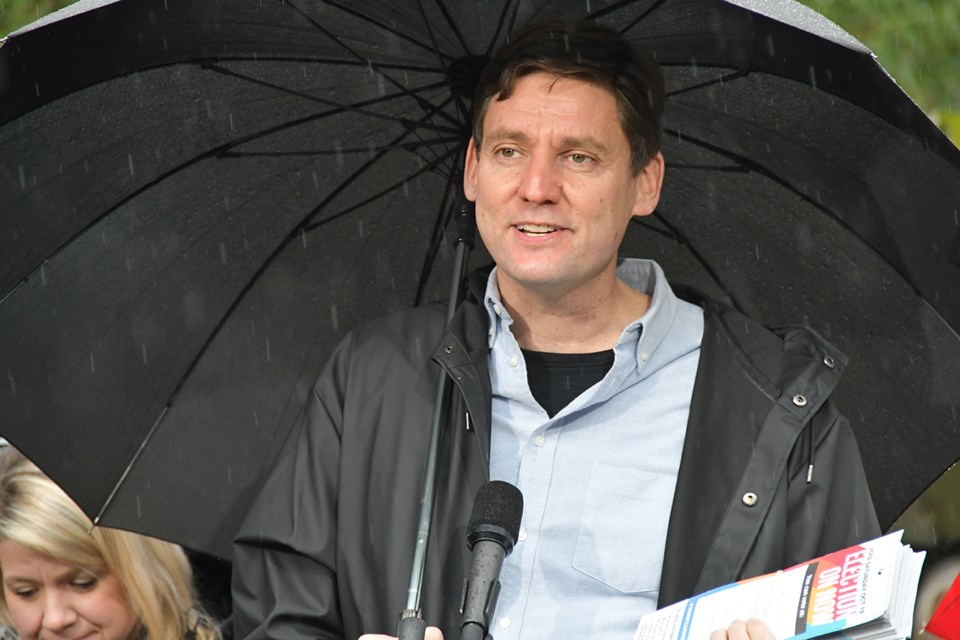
536	229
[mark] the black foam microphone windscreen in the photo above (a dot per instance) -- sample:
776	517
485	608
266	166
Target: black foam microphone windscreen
497	512
491	534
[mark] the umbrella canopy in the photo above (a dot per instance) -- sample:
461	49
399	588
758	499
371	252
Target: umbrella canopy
198	199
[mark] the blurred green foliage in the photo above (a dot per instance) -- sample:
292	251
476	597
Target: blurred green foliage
16	13
916	41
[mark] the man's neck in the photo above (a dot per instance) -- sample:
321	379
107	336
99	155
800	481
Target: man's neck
583	321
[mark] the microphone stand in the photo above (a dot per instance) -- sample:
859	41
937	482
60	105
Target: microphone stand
411	625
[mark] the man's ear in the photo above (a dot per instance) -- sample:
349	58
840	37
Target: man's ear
470	171
649	183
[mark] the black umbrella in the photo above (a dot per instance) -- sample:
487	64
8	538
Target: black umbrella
198	199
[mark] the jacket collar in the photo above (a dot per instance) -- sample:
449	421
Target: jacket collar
463	353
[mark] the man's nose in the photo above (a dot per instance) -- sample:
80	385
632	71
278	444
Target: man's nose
541	180
59	612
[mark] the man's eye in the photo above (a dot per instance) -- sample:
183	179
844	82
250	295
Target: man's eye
507	152
579	158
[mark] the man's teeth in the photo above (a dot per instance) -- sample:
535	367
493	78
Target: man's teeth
536	228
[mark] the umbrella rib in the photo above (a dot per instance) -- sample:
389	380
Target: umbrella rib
680	238
425	105
937	314
624	3
461	107
392	66
450	23
751	166
502	22
745	164
344	107
411	125
406	146
460	138
393	145
129	468
377	23
707	167
310	226
735	75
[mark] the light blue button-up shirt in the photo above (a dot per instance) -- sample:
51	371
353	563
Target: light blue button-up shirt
598	478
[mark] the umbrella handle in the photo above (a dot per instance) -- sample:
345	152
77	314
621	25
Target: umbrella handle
411	627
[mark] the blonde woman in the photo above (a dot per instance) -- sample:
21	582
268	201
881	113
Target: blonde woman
63	578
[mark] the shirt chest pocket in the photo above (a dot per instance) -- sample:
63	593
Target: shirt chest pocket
623	527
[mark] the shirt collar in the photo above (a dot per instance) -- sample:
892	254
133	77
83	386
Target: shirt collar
642	336
497	314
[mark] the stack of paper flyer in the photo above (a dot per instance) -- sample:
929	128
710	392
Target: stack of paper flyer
865	592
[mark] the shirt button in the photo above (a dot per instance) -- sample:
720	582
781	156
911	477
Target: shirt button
644	356
504	623
496	308
491	331
514	360
522	535
540	440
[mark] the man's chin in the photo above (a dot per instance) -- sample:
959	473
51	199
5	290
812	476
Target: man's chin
541	281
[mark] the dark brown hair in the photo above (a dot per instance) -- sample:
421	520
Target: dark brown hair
586	51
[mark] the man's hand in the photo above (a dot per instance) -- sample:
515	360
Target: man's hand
752	629
433	633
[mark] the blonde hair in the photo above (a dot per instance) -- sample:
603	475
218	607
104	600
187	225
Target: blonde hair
156	575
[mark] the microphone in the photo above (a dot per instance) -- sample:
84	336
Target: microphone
491	534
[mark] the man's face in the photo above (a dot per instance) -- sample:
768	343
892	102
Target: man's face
553	185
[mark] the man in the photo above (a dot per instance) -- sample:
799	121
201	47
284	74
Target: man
663	447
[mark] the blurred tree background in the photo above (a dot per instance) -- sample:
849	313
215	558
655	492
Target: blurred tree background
916	41
16	13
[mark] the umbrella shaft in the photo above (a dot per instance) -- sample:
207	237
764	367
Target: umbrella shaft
429	480
426	505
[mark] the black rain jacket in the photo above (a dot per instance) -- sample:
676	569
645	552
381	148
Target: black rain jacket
326	550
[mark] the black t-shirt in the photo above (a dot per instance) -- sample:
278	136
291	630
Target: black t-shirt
555	379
